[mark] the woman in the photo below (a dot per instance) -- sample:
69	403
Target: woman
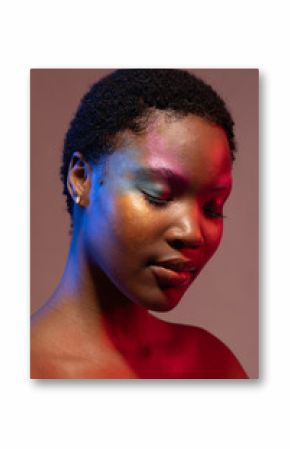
147	168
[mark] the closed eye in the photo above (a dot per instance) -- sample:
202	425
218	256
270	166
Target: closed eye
213	210
156	200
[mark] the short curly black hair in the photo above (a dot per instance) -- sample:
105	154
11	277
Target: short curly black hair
125	99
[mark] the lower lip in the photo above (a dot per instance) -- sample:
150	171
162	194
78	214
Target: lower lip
168	278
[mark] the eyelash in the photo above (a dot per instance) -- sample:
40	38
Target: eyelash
214	214
158	202
155	201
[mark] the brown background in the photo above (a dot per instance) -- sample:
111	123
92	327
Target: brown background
224	299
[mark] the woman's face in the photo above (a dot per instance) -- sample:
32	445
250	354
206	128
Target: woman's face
156	220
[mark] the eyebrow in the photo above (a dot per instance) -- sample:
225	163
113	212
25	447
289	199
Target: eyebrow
177	179
174	178
220	187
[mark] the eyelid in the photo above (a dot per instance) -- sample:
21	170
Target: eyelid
155	189
214	208
155	200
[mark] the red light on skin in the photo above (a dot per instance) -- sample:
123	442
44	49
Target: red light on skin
168	278
174	294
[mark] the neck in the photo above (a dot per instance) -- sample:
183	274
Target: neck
87	299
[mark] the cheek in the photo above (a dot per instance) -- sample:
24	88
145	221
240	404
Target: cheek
213	235
125	222
134	223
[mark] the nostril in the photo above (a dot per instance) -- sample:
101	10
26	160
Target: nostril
177	244
180	244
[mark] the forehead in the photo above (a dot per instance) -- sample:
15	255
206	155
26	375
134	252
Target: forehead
189	146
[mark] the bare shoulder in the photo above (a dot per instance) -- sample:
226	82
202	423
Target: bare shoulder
44	359
59	354
206	356
50	354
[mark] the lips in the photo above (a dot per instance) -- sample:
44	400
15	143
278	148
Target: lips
174	272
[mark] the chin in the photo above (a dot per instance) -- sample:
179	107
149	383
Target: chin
164	301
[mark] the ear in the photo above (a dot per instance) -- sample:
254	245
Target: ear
79	179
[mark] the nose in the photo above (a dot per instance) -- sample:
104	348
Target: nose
185	230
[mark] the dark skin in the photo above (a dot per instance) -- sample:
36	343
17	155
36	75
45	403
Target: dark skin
159	195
